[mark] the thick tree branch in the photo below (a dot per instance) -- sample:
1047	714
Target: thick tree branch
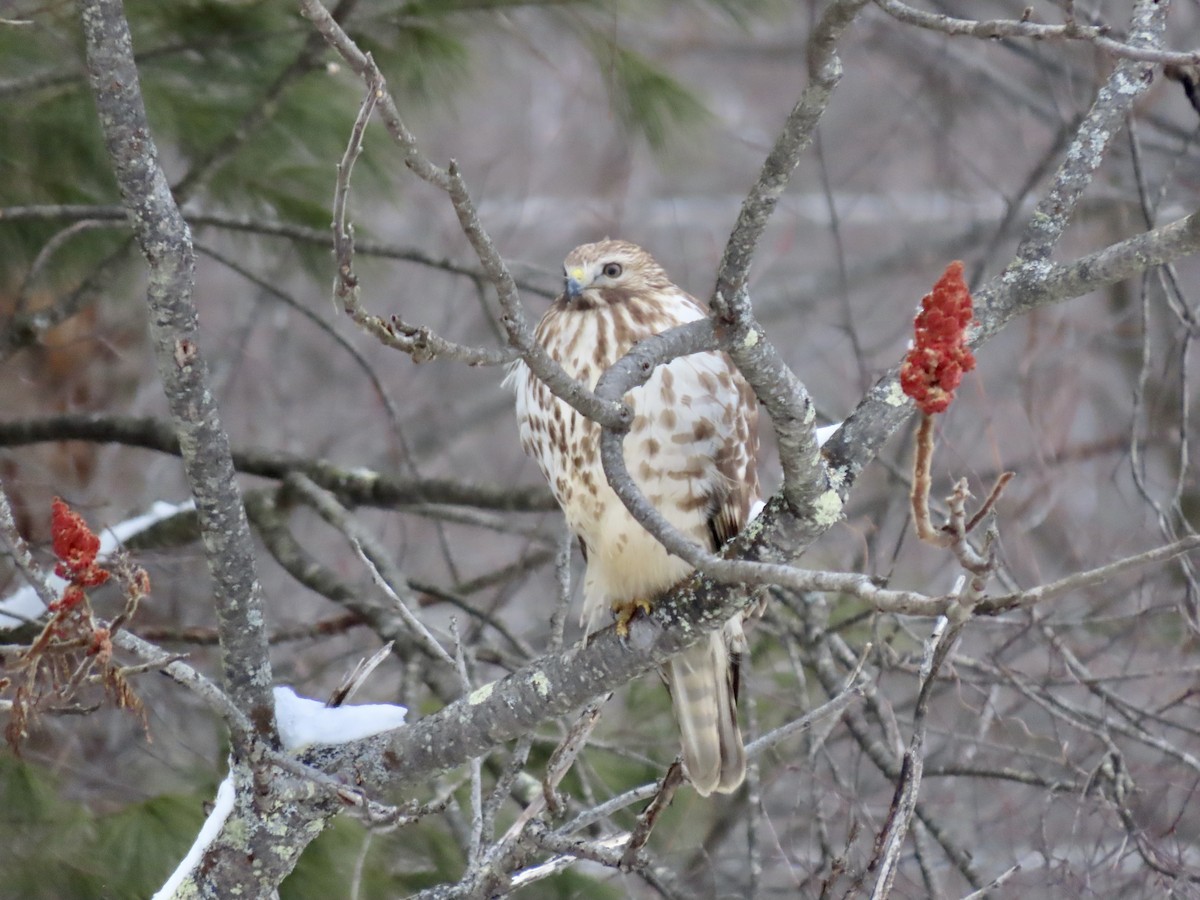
1103	122
1115	263
775	385
268	823
354	485
165	242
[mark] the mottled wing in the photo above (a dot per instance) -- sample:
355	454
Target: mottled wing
715	416
694	446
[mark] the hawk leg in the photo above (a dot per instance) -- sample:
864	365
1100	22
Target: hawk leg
625	610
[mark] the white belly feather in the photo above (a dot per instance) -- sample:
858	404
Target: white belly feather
684	415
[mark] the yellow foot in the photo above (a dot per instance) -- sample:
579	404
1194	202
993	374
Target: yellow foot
625	610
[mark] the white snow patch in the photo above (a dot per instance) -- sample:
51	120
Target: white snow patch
111	537
24	605
825	432
222	807
558	864
756	509
303	721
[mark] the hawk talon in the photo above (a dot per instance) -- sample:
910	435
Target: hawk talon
625	610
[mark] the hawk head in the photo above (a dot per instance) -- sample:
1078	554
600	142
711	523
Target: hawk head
609	272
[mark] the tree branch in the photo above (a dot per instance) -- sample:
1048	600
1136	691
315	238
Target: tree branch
742	337
165	242
1023	284
117	217
354	485
1071	30
450	180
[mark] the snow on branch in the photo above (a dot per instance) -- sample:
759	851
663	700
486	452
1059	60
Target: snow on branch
304	722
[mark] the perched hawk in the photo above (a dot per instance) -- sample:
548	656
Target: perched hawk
692	450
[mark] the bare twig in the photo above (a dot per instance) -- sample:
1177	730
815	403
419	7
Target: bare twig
185	676
11	536
116	217
904	803
922	465
503	788
996	882
1080	580
1070	30
418	342
361	361
989	502
557	767
775	385
345	287
46	253
382	570
475	849
357	677
450	180
830	709
423	344
670	782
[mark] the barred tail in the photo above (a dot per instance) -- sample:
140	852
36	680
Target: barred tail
701	681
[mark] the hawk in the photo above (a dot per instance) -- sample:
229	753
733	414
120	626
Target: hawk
692	450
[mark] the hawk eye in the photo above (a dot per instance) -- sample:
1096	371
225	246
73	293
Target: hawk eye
612	270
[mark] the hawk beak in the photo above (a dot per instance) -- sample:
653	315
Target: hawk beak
575	284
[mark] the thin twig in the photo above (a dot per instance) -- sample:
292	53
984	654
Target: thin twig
11	535
649	817
450	180
921	480
116	217
561	760
1070	30
374	558
904	803
1080	580
345	287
